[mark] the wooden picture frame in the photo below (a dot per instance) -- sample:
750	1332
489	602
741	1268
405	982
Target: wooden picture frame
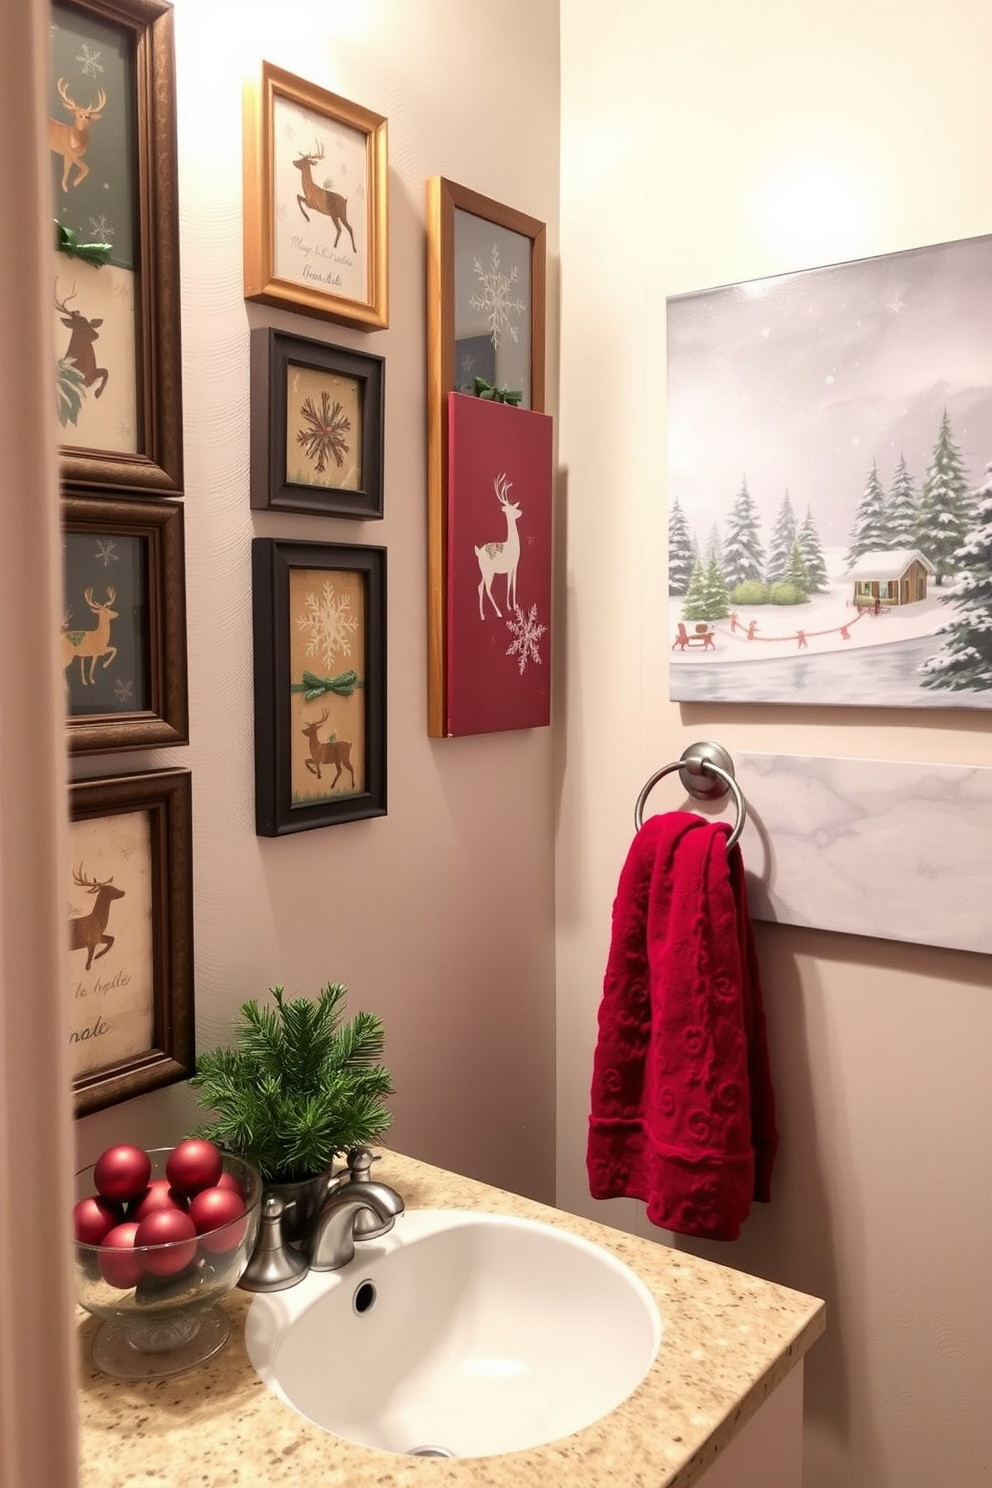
316	246
319	628
129	881
117	325
486	268
317	427
125	670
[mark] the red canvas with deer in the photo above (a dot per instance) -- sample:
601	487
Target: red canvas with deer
498	567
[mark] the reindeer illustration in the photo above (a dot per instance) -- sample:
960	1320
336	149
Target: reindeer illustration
91	644
88	931
71	140
332	751
501	557
82	335
319	199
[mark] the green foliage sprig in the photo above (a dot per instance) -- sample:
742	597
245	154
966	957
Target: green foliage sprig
299	1087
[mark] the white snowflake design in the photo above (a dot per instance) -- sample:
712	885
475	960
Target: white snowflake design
526	633
494	298
327	624
123	431
100	228
106	552
90	60
123	691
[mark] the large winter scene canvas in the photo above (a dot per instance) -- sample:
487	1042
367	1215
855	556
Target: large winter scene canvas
830	485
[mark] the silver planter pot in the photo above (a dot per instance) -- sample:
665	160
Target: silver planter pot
302	1199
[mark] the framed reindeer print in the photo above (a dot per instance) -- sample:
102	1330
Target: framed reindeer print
486	267
128	885
319	628
115	269
316	427
315	192
123	624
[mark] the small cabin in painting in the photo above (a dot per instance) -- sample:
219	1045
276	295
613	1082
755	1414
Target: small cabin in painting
890	577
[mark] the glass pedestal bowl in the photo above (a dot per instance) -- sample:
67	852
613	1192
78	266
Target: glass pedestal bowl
157	1303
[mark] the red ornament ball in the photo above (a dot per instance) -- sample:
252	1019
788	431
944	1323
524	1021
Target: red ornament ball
175	1233
194	1164
94	1218
217	1209
119	1266
228	1180
122	1172
158	1195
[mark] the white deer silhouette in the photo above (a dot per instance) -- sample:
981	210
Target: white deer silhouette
501	557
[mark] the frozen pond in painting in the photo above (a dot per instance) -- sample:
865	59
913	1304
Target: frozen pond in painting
866	677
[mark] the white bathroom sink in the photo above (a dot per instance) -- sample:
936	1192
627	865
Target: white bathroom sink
459	1333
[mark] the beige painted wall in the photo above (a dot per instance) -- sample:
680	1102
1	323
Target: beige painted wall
439	916
700	146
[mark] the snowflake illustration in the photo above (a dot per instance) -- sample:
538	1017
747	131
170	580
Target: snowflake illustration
90	60
123	691
100	228
526	633
106	552
327	624
123	430
468	366
494	298
288	132
325	438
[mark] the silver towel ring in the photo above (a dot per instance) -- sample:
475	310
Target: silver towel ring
706	770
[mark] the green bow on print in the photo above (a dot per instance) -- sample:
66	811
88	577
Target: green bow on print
487	390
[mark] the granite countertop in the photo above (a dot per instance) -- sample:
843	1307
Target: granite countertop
729	1340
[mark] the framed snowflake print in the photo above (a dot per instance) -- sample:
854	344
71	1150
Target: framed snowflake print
316	177
319	629
486	267
129	889
115	261
316	427
498	661
123	624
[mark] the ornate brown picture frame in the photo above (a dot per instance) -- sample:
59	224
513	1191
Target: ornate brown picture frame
112	138
486	269
316	178
123	624
129	885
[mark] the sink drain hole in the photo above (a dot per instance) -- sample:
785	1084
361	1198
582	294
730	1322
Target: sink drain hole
364	1297
431	1452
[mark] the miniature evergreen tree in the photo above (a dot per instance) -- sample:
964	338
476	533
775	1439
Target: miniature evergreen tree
902	508
869	533
299	1087
743	555
783	536
680	550
965	664
695	596
812	555
796	572
945	509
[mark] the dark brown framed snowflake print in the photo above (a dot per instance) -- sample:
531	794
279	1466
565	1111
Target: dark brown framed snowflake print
317	427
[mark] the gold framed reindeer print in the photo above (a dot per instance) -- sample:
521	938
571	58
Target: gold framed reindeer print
115	270
315	192
316	179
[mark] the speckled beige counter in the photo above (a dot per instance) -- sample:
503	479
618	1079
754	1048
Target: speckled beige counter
729	1340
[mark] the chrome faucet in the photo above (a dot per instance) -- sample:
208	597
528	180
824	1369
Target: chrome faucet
330	1240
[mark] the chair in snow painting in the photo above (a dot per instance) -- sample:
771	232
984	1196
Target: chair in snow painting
830	485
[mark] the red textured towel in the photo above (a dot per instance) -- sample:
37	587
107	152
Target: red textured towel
683	1112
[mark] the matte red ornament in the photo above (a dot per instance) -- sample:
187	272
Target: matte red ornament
175	1233
119	1266
194	1164
217	1209
122	1172
158	1195
228	1180
94	1218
